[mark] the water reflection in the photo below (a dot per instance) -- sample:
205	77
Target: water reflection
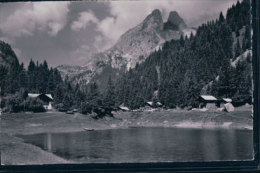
148	145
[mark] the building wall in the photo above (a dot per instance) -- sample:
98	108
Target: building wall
211	106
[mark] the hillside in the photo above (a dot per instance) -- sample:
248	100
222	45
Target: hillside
133	47
7	55
217	56
8	63
176	74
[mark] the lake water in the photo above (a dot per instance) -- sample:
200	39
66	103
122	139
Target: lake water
147	145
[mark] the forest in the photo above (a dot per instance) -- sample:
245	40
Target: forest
175	75
17	81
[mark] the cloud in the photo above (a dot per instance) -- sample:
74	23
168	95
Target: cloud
127	14
82	54
83	20
29	17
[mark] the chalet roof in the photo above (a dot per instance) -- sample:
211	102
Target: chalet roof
33	95
49	95
150	103
124	108
228	100
209	97
159	103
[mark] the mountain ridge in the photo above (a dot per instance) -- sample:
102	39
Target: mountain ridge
8	57
132	47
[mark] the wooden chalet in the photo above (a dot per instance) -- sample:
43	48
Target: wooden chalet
46	98
208	102
123	108
150	104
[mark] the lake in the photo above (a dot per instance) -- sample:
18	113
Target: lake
147	145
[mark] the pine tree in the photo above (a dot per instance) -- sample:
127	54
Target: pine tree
248	37
221	18
237	49
109	100
94	97
59	94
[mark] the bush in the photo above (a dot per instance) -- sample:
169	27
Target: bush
86	108
60	107
241	100
34	105
12	103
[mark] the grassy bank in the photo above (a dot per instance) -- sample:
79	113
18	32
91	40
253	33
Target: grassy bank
239	119
15	151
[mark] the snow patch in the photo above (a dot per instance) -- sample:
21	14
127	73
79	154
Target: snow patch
217	78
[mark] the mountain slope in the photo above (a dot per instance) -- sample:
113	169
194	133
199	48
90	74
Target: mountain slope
8	62
132	47
217	56
175	22
8	58
141	41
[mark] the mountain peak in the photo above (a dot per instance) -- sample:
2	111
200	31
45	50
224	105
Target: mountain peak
156	12
175	22
153	20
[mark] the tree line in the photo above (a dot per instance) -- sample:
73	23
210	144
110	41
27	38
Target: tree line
173	75
176	74
17	82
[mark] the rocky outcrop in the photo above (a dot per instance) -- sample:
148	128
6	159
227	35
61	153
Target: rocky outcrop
133	47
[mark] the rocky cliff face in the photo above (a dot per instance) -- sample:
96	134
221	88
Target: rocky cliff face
132	47
175	22
140	41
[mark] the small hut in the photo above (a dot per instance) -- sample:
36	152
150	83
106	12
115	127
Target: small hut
46	98
150	104
208	101
124	108
159	104
154	105
224	101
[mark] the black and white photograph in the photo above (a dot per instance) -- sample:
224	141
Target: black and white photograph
147	81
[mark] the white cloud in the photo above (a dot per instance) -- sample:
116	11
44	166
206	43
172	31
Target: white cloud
35	16
82	54
83	20
127	14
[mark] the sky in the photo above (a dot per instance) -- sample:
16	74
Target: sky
70	32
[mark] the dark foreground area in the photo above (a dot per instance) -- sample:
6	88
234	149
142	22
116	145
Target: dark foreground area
55	137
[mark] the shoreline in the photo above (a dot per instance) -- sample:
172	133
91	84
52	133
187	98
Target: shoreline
16	151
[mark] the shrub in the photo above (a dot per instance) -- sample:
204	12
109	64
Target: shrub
34	105
12	103
60	107
86	108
